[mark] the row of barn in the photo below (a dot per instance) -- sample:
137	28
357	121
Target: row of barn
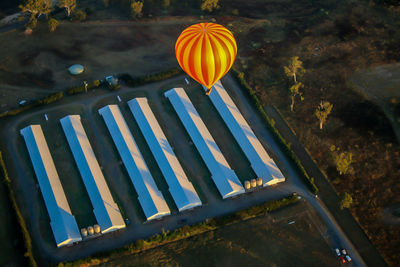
154	206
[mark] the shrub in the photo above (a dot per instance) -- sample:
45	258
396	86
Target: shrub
43	101
114	87
53	24
209	5
80	89
79	15
345	200
239	76
137	81
136	9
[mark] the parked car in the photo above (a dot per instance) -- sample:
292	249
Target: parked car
348	258
337	252
342	260
344	252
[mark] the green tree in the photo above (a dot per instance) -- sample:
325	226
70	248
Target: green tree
36	7
209	5
136	9
294	68
53	24
343	160
69	5
322	112
345	200
294	91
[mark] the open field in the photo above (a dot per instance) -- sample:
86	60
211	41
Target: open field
263	241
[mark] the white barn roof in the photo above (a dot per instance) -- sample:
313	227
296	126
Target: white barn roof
182	190
262	164
105	210
63	224
223	176
150	198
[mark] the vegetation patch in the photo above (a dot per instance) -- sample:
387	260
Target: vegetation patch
42	101
83	88
18	214
137	81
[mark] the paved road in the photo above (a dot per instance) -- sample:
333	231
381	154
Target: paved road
215	207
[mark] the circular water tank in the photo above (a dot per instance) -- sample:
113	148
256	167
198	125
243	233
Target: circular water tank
253	182
84	232
259	181
90	230
247	184
76	69
96	228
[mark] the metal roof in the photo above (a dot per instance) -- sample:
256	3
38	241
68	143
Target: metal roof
105	210
223	176
181	189
150	198
262	164
63	224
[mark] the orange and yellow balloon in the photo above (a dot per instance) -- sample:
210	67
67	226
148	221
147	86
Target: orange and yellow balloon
206	52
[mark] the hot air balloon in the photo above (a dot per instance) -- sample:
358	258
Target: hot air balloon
206	52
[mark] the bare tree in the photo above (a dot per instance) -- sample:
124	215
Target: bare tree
322	112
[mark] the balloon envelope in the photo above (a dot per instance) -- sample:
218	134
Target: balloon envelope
206	52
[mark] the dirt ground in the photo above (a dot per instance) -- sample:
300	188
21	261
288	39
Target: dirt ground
263	241
381	85
36	67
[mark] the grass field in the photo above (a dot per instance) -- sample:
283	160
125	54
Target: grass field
263	241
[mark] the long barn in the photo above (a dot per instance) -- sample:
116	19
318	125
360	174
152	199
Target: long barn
224	177
262	164
181	189
62	222
105	210
150	198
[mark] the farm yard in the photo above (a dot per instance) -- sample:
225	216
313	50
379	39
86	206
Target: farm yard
117	179
111	165
334	39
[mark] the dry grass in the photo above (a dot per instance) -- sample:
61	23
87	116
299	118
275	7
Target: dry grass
351	37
